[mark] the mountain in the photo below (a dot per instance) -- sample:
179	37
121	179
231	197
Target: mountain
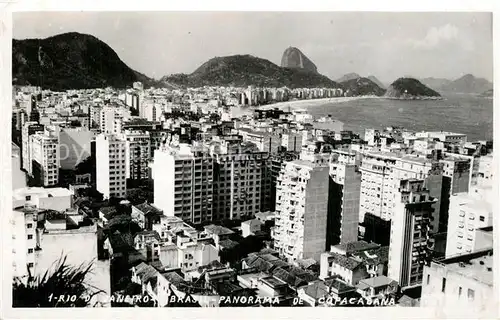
349	76
70	61
295	59
410	89
362	87
376	81
246	70
436	83
468	84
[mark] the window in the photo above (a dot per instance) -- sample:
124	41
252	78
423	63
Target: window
470	294
28	198
30	265
443	285
481	218
30	250
29	225
30	236
428	278
459	291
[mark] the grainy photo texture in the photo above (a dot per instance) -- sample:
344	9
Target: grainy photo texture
258	159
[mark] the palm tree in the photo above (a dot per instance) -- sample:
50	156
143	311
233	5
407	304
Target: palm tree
65	286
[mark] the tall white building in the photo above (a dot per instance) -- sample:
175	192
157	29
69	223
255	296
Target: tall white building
381	173
111	167
28	129
111	119
468	212
300	230
240	185
44	156
23	228
137	154
345	188
183	182
410	243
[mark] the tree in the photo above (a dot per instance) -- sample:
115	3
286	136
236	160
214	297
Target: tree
63	281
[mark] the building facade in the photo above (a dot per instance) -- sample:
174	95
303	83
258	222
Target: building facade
111	167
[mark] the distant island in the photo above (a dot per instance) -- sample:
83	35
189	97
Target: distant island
410	89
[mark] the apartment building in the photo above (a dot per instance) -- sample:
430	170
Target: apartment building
381	173
79	239
241	183
410	241
469	211
443	136
265	141
111	167
29	128
462	284
137	154
456	179
274	165
111	118
58	199
44	156
183	182
300	230
344	187
23	226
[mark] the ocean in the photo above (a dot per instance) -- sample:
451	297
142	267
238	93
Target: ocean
461	113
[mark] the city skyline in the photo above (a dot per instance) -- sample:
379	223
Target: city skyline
386	45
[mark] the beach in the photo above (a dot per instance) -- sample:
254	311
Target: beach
296	104
299	104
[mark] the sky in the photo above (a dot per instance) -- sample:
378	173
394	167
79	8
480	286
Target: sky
387	45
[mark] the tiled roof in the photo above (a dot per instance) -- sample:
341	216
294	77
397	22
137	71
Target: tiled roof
174	278
228	244
316	290
375	256
258	263
148	209
290	279
219	230
344	261
145	272
339	285
148	233
379	281
355	246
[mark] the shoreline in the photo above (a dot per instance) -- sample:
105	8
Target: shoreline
299	104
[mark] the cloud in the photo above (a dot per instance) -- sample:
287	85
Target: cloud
436	36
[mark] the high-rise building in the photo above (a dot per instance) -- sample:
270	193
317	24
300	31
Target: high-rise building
183	182
241	186
469	211
111	167
28	129
111	119
463	282
381	173
456	178
44	156
137	154
23	226
344	188
410	241
300	230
